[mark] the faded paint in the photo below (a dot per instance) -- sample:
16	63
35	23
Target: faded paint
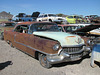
65	39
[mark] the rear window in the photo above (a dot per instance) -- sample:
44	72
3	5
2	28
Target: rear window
70	28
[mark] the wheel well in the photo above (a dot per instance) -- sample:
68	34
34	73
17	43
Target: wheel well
50	20
39	20
36	55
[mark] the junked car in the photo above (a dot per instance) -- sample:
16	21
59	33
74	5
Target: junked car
73	19
51	18
43	40
5	25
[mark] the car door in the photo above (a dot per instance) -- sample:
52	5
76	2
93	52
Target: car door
19	38
45	18
25	40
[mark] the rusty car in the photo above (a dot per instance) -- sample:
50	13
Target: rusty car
5	25
44	41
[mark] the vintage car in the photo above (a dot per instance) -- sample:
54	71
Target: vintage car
82	31
5	25
51	18
43	40
73	19
95	56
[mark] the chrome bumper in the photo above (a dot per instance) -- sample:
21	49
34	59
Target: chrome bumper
64	57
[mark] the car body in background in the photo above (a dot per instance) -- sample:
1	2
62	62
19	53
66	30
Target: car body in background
81	24
84	32
95	56
23	17
95	31
51	18
5	25
43	40
93	18
73	19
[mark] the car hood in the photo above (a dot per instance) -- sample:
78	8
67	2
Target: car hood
35	14
87	28
65	39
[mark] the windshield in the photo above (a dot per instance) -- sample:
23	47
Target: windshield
71	28
50	15
45	27
76	17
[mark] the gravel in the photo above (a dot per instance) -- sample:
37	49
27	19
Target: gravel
19	63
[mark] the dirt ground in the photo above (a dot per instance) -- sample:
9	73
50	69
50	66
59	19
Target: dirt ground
15	62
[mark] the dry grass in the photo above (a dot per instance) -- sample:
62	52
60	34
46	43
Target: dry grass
3	20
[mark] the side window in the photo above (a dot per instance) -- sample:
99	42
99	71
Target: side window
45	15
40	16
60	28
32	28
68	29
22	29
70	16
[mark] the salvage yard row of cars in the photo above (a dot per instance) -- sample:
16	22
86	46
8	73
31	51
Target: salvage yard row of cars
51	43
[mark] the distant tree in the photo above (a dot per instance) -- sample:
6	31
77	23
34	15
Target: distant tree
61	15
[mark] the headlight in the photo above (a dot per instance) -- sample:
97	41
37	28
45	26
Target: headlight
90	42
56	47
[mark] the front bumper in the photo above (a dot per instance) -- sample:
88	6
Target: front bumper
65	57
59	20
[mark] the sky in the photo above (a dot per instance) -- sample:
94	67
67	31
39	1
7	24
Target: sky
67	7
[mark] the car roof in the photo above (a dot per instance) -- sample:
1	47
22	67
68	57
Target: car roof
29	23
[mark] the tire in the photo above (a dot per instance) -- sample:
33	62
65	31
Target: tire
2	36
11	44
50	20
43	61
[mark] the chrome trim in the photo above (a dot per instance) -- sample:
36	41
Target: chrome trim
59	51
73	45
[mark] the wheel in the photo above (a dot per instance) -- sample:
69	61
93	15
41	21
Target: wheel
11	44
43	61
2	36
50	20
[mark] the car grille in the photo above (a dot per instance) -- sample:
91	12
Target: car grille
72	50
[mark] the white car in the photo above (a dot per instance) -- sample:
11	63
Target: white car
95	55
51	18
